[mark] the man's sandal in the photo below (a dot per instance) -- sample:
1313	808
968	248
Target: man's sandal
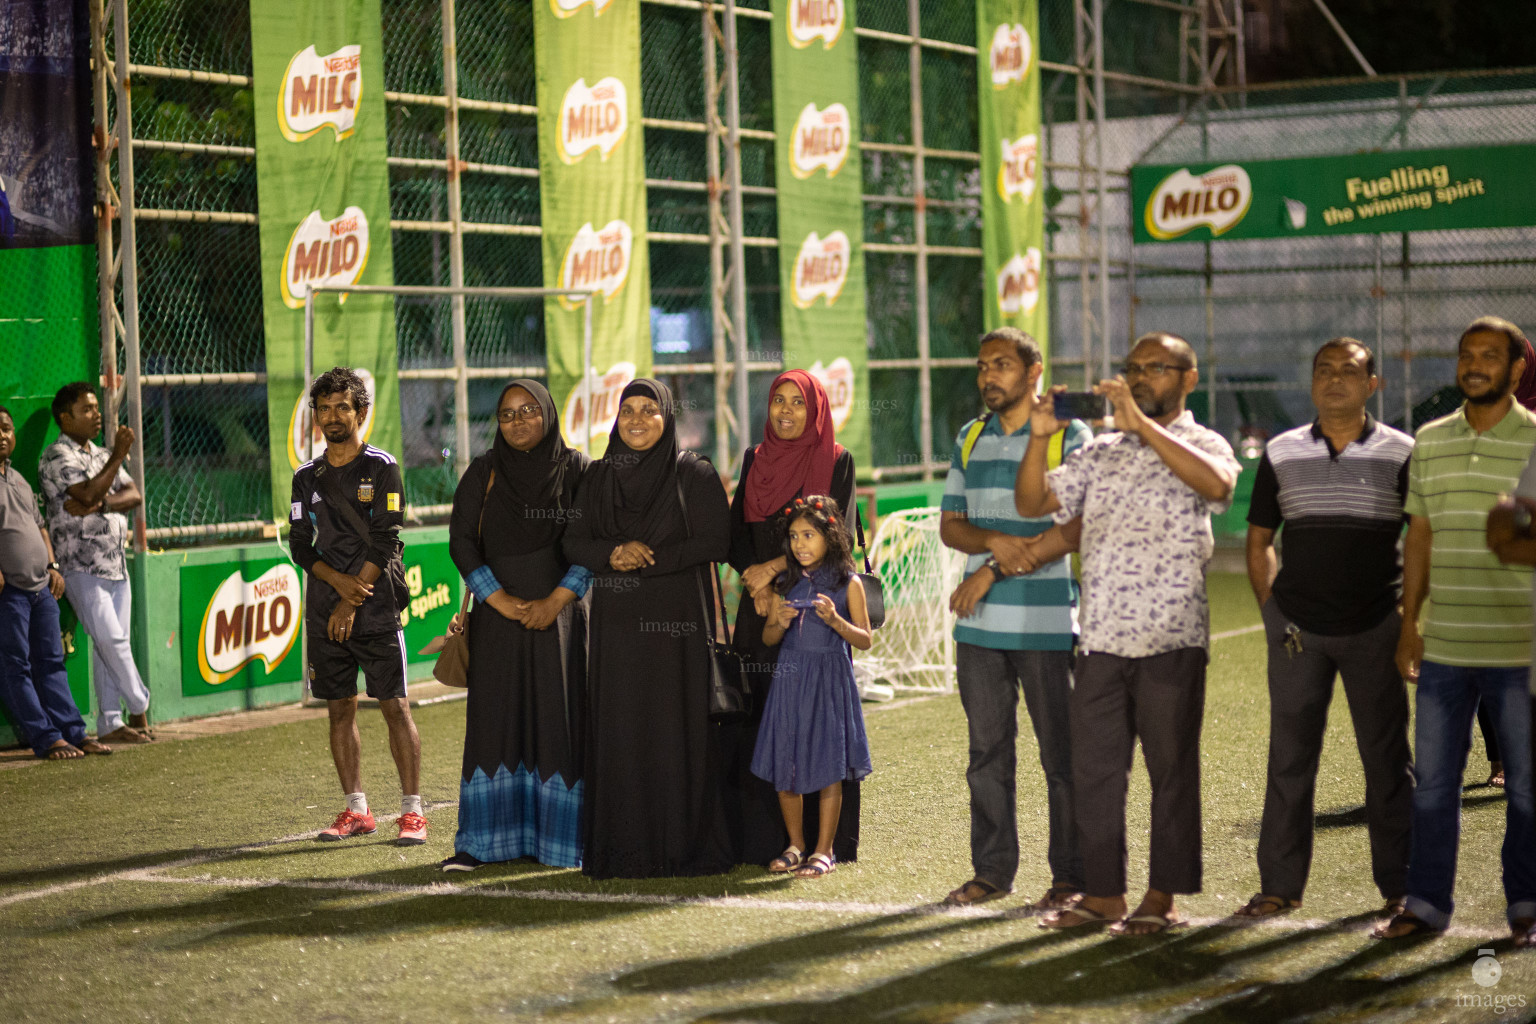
786	861
1160	923
1059	897
1523	931
1077	916
977	890
1266	906
1411	923
817	865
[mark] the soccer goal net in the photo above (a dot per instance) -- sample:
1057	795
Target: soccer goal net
914	650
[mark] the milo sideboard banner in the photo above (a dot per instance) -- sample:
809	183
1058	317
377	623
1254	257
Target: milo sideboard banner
821	214
1012	208
1367	193
592	199
323	191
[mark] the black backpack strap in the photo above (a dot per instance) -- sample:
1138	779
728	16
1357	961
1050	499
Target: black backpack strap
330	487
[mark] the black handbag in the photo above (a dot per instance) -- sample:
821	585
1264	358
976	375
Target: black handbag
730	697
874	593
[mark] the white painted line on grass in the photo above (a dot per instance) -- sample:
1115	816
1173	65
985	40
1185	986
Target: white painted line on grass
1283	924
1229	634
187	862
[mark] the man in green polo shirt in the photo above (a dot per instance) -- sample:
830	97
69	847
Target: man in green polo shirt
1474	641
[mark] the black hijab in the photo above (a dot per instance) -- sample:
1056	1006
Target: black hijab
526	509
635	493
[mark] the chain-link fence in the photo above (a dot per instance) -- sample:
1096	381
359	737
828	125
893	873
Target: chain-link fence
198	268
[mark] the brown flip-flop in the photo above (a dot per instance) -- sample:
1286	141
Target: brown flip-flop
1263	905
95	747
62	751
1058	922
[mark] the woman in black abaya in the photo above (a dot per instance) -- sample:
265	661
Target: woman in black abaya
521	792
653	797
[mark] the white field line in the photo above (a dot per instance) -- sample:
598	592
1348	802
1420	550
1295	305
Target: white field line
186	862
1229	634
1277	923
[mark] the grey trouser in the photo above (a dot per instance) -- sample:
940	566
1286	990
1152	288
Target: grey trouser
1161	699
1300	688
990	681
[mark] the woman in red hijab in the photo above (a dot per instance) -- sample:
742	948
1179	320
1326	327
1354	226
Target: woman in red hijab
798	456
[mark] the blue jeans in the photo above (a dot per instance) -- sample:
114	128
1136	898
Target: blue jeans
1448	696
33	684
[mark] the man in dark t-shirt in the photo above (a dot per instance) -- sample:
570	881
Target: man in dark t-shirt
1338	487
351	615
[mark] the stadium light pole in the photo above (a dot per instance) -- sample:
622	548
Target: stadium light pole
738	248
130	275
455	242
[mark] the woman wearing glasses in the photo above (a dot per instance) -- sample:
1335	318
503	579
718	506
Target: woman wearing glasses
520	794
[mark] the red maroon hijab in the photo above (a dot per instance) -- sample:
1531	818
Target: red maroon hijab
782	469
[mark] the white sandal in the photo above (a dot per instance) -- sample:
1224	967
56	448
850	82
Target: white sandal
786	862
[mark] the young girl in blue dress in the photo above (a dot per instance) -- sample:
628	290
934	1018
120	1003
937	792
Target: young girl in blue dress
812	736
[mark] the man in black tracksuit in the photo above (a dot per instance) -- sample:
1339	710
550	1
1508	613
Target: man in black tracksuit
350	604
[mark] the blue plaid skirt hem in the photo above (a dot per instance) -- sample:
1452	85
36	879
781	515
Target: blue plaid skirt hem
514	814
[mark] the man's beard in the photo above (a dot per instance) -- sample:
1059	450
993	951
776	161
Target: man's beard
1154	407
1498	388
1002	398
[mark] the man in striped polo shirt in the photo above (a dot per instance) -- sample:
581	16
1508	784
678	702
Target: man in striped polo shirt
1474	642
1015	627
1337	486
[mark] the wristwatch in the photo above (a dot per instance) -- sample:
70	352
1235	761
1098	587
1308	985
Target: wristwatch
54	567
1522	519
996	567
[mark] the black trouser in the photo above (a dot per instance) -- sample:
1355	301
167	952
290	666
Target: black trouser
1160	699
1300	688
990	682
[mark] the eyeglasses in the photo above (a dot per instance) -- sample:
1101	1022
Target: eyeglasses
1133	370
527	412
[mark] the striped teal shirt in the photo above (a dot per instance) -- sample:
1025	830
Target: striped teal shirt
1034	612
1479	611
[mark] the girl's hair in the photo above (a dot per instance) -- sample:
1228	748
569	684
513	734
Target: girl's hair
823	513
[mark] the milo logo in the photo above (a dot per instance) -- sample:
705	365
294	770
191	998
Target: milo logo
821	139
1218	199
569	8
1018	283
604	409
837	380
821	268
597	260
810	20
302	429
320	91
595	118
249	619
1020	171
1009	55
323	252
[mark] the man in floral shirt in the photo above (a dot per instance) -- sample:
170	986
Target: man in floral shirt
1142	499
87	492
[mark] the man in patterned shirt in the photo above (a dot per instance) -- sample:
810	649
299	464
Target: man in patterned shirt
87	492
1142	500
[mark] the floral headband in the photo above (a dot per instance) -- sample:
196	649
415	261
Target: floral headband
817	506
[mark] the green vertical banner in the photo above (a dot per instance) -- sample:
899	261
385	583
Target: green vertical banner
821	212
1012	210
592	198
323	189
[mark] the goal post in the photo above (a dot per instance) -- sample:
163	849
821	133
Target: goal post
915	649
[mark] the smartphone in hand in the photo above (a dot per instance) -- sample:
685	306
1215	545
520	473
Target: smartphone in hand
1080	405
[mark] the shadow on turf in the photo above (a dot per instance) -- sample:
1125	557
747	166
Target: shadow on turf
1155	975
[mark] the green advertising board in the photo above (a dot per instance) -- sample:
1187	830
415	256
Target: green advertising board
1366	193
241	620
592	200
821	213
1012	204
323	188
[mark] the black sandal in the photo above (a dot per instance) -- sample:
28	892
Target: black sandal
1417	926
817	865
1263	905
984	891
787	861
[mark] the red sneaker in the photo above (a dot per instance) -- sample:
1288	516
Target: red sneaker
348	823
413	829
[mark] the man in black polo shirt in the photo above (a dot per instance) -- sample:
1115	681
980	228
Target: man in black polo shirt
350	605
1338	486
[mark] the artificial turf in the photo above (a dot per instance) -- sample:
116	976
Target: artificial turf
125	895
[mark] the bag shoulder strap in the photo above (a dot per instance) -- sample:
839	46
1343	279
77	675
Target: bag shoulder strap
325	480
711	624
971	434
479	532
1058	444
858	522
